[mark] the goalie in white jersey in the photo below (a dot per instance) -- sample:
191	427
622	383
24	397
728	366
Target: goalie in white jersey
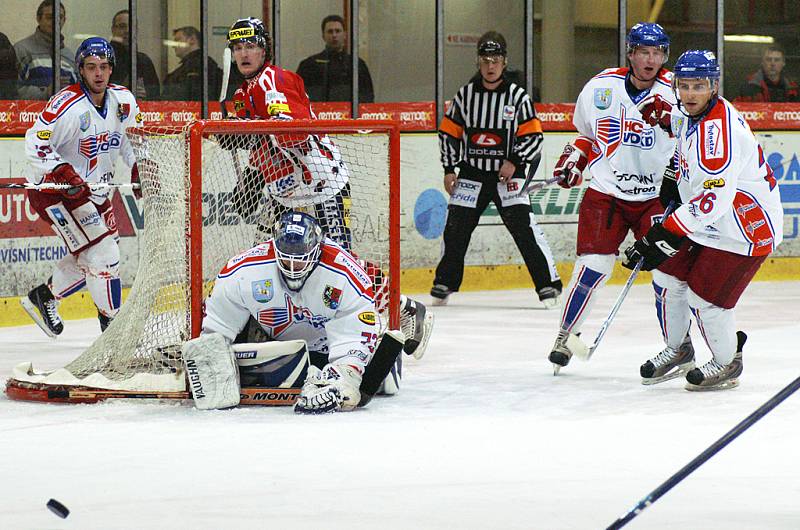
731	219
300	285
74	143
626	158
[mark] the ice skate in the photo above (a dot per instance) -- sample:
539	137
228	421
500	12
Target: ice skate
416	323
550	297
104	321
567	344
716	376
42	307
668	364
441	294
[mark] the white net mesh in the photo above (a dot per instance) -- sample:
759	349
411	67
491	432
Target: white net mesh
249	178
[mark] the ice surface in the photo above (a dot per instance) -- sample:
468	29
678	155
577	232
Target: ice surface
481	436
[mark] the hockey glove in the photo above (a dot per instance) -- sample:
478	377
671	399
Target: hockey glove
570	166
334	388
656	247
657	111
247	194
65	174
668	193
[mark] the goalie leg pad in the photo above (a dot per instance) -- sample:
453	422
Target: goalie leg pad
278	364
212	372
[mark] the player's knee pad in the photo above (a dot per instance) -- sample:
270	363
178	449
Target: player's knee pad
600	263
100	264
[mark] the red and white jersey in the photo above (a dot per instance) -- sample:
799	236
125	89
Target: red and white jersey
71	129
334	311
730	198
299	168
628	156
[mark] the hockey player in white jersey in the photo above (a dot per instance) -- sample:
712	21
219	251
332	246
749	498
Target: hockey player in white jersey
626	158
729	221
75	142
301	285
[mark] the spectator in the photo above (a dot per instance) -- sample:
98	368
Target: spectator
186	81
328	74
8	69
35	57
769	83
147	85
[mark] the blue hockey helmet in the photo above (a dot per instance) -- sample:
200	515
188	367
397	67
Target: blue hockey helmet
298	245
697	64
97	47
648	34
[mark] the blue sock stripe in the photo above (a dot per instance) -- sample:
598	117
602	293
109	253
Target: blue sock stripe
115	288
580	295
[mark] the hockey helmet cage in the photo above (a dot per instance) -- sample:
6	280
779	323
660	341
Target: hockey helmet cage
298	245
97	47
648	34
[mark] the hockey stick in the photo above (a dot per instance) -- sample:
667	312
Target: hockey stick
620	299
53	186
527	186
713	449
223	93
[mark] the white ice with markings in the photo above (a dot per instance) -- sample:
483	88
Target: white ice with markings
481	436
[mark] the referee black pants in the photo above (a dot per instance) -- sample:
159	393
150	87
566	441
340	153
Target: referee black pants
462	220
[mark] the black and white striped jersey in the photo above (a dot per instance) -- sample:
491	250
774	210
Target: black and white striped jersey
484	127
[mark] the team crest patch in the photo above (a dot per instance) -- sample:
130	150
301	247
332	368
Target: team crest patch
367	317
508	112
85	120
123	111
602	98
331	297
263	291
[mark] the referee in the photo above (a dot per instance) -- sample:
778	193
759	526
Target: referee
490	133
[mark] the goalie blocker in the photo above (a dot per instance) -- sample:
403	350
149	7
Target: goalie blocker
223	376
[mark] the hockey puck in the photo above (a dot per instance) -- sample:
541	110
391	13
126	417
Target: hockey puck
57	508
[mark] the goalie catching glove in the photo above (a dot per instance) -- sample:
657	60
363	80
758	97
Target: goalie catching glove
657	111
65	174
572	162
655	248
332	389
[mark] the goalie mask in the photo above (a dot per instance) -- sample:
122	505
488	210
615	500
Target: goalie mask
298	244
251	30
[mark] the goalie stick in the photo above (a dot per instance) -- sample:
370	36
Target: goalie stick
587	354
381	364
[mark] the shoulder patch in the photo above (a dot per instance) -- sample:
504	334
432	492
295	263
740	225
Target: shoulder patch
714	140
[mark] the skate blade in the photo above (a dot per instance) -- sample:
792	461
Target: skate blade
730	383
679	371
439	301
556	368
35	316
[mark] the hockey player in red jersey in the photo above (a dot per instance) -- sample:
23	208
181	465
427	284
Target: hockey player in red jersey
729	221
299	170
626	159
75	142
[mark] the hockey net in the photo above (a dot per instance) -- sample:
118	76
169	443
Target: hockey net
205	202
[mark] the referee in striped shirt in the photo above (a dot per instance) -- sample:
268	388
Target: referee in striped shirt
491	133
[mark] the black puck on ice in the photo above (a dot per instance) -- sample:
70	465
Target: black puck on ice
57	508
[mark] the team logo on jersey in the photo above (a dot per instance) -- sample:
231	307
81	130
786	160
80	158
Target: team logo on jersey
123	111
44	135
278	319
139	117
613	131
85	121
263	291
602	98
367	317
331	297
508	112
91	146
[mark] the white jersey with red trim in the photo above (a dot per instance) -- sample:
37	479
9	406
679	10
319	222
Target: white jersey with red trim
628	156
71	129
730	197
334	312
